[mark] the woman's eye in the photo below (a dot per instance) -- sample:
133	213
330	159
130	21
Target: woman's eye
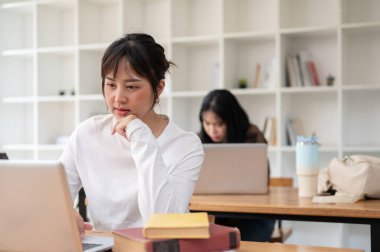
111	85
131	87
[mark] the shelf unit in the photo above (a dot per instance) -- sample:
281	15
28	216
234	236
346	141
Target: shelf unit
50	47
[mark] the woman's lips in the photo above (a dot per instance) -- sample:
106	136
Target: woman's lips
215	138
121	112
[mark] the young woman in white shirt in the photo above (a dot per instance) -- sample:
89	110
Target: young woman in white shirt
132	162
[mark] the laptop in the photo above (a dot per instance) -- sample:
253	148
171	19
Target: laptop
233	169
36	210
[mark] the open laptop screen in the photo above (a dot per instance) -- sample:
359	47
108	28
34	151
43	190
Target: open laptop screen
36	208
234	169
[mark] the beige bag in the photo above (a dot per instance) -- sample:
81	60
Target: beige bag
356	175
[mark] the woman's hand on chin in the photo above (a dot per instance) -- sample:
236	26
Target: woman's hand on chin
121	125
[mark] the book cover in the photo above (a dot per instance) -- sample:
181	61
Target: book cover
132	239
313	73
299	67
290	134
273	135
292	81
297	71
306	77
182	225
268	74
257	76
268	129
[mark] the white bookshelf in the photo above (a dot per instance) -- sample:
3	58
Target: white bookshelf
52	46
49	47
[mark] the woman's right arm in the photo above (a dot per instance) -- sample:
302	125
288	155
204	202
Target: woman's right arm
68	160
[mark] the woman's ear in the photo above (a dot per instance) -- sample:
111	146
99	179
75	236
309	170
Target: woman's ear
160	87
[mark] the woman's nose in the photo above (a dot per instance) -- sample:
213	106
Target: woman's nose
213	129
120	95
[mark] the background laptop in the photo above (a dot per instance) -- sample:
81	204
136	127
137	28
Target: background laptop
233	169
36	209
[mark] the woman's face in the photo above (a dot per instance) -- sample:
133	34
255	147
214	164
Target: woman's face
128	93
214	127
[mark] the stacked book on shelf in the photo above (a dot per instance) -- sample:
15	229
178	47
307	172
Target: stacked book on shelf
265	74
293	128
268	129
301	70
188	232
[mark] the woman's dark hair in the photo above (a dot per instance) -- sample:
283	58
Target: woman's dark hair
143	54
225	105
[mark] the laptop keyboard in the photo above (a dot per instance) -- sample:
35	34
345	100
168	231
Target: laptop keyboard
89	245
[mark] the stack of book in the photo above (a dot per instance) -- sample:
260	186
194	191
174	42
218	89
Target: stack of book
189	232
301	70
293	129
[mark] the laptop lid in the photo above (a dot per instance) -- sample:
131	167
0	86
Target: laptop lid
233	169
36	208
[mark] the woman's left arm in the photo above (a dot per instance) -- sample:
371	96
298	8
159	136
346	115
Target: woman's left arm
164	188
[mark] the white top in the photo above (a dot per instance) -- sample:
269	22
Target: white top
127	180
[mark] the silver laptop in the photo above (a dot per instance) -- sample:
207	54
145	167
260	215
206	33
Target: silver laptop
233	169
36	210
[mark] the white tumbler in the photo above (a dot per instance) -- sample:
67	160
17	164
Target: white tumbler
307	156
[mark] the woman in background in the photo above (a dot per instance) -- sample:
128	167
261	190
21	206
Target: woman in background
223	120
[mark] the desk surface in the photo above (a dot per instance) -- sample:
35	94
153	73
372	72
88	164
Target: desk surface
266	247
279	247
283	200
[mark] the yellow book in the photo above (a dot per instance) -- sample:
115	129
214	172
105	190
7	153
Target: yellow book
183	225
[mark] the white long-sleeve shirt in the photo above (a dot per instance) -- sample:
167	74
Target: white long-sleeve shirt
128	180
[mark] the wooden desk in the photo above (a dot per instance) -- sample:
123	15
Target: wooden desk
284	203
266	247
279	247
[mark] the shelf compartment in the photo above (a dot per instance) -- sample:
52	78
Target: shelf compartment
360	11
16	25
322	116
308	13
197	67
258	107
241	57
249	15
55	23
196	17
17	115
55	120
55	73
90	82
358	129
186	113
17	76
360	63
141	16
99	21
321	48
